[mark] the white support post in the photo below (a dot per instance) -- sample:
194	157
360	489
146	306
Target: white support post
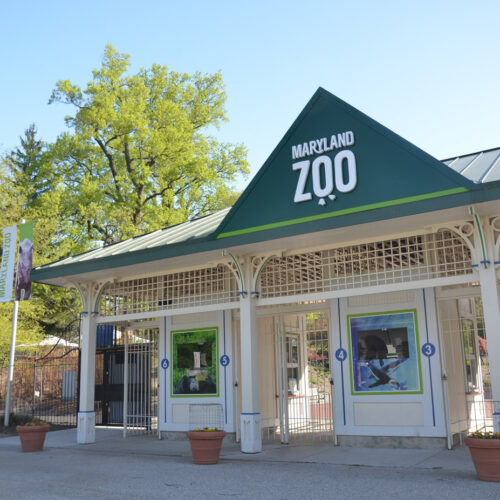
86	413
491	311
251	424
125	384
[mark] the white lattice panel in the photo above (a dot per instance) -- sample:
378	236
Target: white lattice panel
199	287
411	258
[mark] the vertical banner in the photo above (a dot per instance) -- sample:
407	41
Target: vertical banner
8	262
24	262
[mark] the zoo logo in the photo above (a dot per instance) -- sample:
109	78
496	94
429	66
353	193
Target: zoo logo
323	173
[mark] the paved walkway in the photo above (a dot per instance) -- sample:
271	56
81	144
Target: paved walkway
145	467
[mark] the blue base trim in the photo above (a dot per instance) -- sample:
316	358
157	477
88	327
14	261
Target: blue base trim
257	413
89	411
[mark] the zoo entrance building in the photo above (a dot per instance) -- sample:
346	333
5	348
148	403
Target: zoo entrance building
350	295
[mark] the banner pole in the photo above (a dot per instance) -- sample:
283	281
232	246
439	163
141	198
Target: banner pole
11	363
12	354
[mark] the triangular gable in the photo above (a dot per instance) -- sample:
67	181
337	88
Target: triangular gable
336	161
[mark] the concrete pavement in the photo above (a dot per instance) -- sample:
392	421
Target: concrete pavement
145	467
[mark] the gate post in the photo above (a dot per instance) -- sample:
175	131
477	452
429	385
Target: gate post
89	293
86	412
491	306
251	425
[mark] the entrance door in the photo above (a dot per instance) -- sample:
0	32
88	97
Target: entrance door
141	381
110	362
302	377
126	391
467	385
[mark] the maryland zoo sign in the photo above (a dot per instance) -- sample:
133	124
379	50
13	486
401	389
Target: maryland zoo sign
327	177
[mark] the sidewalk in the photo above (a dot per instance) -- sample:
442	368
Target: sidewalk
145	467
111	442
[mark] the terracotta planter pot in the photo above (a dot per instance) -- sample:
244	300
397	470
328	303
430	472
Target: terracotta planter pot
206	446
32	436
486	457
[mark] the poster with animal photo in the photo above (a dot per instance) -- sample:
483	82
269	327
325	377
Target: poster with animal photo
24	262
194	362
384	354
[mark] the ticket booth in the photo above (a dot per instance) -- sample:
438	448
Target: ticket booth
350	295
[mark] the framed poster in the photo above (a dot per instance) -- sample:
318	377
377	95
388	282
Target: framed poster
384	354
195	370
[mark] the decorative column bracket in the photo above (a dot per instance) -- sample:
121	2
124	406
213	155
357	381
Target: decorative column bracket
90	295
257	264
471	233
494	225
480	245
235	267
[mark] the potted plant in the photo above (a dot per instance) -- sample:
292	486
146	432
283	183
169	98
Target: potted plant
484	448
206	444
32	435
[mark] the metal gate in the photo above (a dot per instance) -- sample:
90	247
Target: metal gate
302	381
109	385
467	377
140	394
126	390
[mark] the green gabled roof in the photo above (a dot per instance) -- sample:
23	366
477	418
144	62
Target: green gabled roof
395	179
390	172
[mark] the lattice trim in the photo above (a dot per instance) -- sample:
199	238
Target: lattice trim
213	285
411	258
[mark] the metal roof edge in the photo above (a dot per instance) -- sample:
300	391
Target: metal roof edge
59	263
127	259
469	154
380	214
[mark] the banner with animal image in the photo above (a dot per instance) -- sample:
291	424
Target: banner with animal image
195	369
8	263
384	354
24	262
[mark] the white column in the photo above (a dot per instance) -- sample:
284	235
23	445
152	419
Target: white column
491	310
86	413
251	425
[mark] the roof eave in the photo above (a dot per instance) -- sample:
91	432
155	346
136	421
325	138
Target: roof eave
483	193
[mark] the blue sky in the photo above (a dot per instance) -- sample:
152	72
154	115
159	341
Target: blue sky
428	70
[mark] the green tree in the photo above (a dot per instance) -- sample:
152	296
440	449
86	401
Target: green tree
28	190
139	155
30	169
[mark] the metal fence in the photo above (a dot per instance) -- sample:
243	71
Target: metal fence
481	415
45	386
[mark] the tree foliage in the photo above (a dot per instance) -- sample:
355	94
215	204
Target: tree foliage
139	156
28	190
